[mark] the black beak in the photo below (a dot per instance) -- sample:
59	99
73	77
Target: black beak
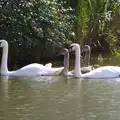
58	54
0	44
82	51
70	48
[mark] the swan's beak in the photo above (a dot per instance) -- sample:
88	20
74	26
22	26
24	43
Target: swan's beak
82	51
70	49
58	54
0	44
62	53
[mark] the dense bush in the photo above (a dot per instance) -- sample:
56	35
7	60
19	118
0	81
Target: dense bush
32	26
94	18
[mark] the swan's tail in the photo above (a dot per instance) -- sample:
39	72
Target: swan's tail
48	65
58	71
48	71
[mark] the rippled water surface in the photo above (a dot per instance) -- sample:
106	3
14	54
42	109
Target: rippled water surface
59	98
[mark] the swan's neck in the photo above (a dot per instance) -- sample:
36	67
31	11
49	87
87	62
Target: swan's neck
4	69
66	63
77	70
86	59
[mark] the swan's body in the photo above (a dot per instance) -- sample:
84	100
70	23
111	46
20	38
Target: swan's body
102	72
34	70
29	70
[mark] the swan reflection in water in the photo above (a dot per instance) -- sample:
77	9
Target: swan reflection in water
7	82
4	85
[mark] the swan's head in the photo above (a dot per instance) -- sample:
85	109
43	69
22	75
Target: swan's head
73	47
3	43
64	51
86	48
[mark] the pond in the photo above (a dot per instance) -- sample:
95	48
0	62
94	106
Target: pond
60	98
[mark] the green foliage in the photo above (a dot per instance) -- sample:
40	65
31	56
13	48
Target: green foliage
31	23
116	52
82	17
41	19
94	17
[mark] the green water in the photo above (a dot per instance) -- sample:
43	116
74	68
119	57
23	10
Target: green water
60	98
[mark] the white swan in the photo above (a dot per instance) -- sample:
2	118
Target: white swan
29	70
102	72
